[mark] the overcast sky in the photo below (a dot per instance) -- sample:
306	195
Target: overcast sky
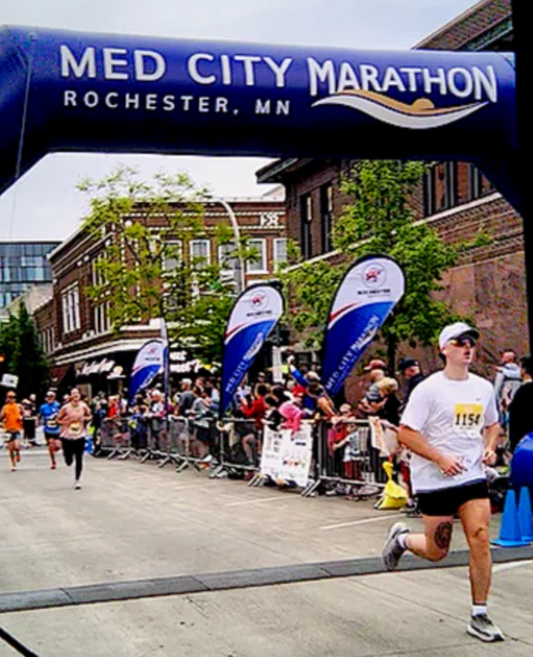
44	204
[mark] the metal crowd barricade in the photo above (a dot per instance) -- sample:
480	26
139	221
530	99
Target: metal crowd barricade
347	458
340	458
155	437
231	459
115	437
175	432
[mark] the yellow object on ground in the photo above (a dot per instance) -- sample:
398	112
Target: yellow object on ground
394	496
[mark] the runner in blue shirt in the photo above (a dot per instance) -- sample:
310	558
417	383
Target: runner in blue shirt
48	419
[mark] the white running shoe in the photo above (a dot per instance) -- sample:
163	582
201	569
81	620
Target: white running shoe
484	629
392	550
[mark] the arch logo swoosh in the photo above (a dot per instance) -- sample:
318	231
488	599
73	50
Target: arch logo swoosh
421	115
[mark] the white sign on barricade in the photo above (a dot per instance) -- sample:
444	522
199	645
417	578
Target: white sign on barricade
286	456
271	453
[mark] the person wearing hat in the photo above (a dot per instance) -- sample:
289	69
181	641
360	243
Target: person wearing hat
450	424
409	368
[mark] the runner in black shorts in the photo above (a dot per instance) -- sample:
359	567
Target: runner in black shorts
48	417
450	424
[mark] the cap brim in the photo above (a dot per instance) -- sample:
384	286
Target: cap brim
471	333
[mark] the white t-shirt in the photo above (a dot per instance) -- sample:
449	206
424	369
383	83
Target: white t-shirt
451	415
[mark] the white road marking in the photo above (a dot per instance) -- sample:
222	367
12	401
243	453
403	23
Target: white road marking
498	568
362	522
263	499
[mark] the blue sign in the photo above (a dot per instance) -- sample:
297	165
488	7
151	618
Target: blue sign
149	362
367	294
66	91
255	313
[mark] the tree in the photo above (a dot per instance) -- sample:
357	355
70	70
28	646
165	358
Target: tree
144	272
23	355
380	219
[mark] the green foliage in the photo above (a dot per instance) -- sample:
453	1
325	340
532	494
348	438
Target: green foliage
23	355
146	273
378	220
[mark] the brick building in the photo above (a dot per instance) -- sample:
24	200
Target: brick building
488	283
75	331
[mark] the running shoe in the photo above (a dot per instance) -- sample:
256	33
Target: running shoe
77	486
53	466
392	550
484	629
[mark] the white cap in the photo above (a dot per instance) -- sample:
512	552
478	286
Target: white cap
455	331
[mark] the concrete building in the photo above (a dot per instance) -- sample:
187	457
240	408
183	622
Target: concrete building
23	265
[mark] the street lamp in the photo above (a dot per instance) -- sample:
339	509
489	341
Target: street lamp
239	265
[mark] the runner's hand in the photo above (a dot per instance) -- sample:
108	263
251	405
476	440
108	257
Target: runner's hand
451	465
489	457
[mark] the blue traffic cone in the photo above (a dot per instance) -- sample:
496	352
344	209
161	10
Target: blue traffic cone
509	529
525	515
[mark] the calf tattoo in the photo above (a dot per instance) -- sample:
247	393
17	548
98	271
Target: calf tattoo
443	535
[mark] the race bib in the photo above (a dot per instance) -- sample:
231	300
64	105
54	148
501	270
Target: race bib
52	424
75	428
468	418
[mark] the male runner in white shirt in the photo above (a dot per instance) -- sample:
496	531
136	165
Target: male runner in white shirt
450	424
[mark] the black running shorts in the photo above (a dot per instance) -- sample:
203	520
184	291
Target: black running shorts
446	502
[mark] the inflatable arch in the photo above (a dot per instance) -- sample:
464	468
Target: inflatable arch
68	91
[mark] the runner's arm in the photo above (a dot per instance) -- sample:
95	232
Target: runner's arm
492	436
415	441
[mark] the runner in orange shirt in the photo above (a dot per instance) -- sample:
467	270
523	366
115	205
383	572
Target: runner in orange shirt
11	419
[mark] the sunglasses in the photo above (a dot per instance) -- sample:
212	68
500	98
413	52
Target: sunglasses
463	342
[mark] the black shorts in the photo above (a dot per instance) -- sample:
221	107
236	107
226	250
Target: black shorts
51	436
10	436
448	501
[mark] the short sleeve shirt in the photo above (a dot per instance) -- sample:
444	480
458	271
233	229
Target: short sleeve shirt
451	415
48	413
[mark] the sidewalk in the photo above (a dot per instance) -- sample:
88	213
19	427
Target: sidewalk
135	522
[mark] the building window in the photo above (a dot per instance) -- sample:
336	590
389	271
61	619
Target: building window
97	274
172	256
280	251
440	188
259	265
326	216
227	260
478	184
200	249
70	304
101	321
306	211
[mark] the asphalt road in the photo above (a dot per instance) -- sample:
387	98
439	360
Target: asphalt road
144	562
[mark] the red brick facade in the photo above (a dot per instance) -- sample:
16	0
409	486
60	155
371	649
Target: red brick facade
81	333
488	284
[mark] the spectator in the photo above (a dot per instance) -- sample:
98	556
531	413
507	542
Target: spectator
409	368
376	370
506	383
520	415
29	422
254	409
185	398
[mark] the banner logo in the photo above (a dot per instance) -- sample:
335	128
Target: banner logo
374	275
421	115
258	300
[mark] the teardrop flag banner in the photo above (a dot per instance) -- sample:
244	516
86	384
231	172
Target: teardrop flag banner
255	314
148	363
366	296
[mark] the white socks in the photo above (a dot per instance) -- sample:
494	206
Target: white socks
478	610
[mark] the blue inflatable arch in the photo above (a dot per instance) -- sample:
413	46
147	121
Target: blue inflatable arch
67	91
